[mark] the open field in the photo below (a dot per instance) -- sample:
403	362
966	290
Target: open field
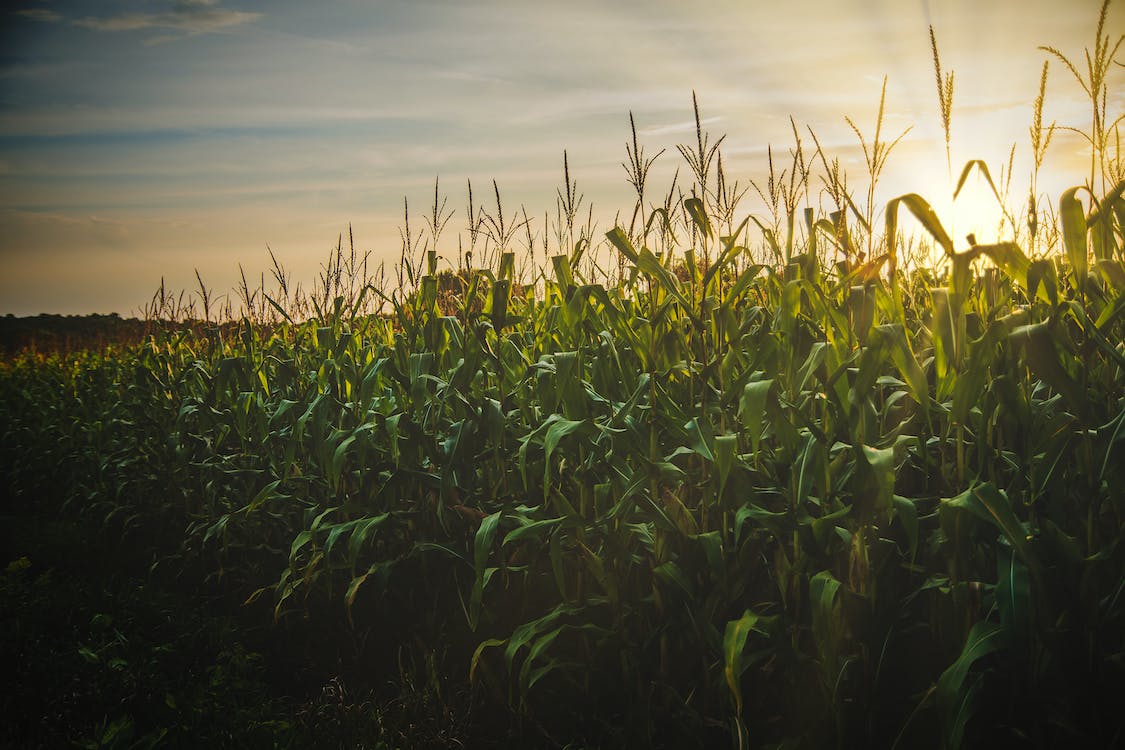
795	480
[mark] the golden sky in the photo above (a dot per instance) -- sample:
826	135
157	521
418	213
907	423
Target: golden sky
147	139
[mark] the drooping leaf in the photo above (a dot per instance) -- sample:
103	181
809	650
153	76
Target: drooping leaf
882	463
698	215
734	643
752	408
926	216
482	548
1039	344
956	689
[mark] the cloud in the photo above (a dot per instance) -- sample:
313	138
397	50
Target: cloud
686	126
187	17
199	16
40	14
119	23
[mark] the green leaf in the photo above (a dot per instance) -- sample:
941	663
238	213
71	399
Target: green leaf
1074	228
490	643
507	266
969	387
1113	271
926	216
734	643
678	516
992	506
558	567
218	529
947	316
338	456
826	627
597	567
752	408
482	548
699	217
1042	281
700	439
527	632
730	249
325	338
1013	597
775	521
882	463
673	576
532	529
861	310
808	468
263	495
894	339
1039	343
648	263
335	532
353	587
564	276
620	240
712	544
735	293
771	238
528	676
907	513
726	455
955	695
299	542
359	535
501	291
559	429
967	169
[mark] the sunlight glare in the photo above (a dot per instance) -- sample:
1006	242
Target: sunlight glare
975	211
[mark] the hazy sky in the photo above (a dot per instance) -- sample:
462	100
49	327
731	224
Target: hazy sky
148	138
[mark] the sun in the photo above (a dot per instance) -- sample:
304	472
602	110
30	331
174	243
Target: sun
975	212
974	216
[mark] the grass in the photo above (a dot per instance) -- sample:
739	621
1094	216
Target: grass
673	488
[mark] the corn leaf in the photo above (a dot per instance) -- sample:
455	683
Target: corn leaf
956	691
1074	228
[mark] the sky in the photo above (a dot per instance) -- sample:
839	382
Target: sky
143	140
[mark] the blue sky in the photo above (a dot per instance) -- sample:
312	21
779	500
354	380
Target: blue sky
142	139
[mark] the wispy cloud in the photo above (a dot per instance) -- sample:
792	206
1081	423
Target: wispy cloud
183	17
187	16
40	14
686	126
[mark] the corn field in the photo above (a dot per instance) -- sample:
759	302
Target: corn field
769	484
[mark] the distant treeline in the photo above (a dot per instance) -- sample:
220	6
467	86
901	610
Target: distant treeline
65	333
62	334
